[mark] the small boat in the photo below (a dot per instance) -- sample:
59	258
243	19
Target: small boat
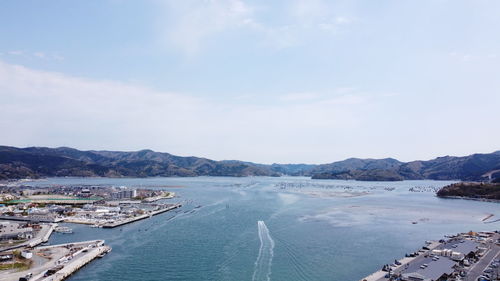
104	253
63	229
414	222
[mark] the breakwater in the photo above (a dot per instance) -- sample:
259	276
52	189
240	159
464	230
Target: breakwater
141	217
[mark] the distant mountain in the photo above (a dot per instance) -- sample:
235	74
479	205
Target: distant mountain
474	167
360	169
35	162
293	169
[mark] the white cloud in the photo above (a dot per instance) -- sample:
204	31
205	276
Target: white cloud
472	57
195	21
54	109
193	24
40	55
299	96
37	54
308	12
15	53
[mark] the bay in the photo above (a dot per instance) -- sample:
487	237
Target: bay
309	229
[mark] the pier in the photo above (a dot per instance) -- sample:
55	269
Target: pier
41	237
141	217
61	260
80	259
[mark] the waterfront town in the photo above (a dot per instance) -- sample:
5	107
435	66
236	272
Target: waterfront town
29	215
471	256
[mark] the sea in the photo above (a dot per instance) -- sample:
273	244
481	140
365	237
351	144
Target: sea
274	228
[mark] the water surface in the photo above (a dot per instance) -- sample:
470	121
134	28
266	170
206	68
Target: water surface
288	228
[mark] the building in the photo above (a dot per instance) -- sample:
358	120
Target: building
12	230
26	254
460	249
430	270
124	194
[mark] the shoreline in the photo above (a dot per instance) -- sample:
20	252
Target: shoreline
470	198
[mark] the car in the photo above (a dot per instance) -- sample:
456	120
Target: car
26	277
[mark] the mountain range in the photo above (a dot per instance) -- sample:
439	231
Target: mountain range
36	162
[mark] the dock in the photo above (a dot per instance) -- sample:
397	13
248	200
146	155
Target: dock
61	260
141	217
79	261
41	237
465	255
379	275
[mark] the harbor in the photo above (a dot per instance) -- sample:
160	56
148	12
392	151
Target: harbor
465	256
57	262
28	219
214	235
141	217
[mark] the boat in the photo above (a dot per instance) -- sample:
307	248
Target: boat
104	252
63	229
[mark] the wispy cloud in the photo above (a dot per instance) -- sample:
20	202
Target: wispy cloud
108	114
15	53
470	57
193	24
38	55
306	96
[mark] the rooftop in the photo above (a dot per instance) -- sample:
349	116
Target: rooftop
434	270
464	246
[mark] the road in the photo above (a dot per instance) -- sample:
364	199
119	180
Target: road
477	269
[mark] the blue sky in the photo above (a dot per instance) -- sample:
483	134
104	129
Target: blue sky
266	81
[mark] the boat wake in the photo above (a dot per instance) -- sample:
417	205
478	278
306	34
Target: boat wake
264	260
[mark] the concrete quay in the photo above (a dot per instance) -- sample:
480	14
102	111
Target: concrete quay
141	217
58	262
42	236
31	218
80	259
379	275
156	198
464	256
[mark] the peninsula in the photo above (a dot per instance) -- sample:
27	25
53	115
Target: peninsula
471	190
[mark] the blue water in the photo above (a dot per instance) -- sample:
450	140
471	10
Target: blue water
310	229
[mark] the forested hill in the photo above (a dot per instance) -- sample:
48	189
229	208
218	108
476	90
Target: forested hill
35	162
475	167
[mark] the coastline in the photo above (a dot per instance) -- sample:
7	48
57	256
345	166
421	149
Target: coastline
470	198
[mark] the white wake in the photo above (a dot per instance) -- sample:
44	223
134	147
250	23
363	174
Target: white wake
264	260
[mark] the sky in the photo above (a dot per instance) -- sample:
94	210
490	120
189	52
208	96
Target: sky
295	81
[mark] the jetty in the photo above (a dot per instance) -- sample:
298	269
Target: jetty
141	217
79	259
62	260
